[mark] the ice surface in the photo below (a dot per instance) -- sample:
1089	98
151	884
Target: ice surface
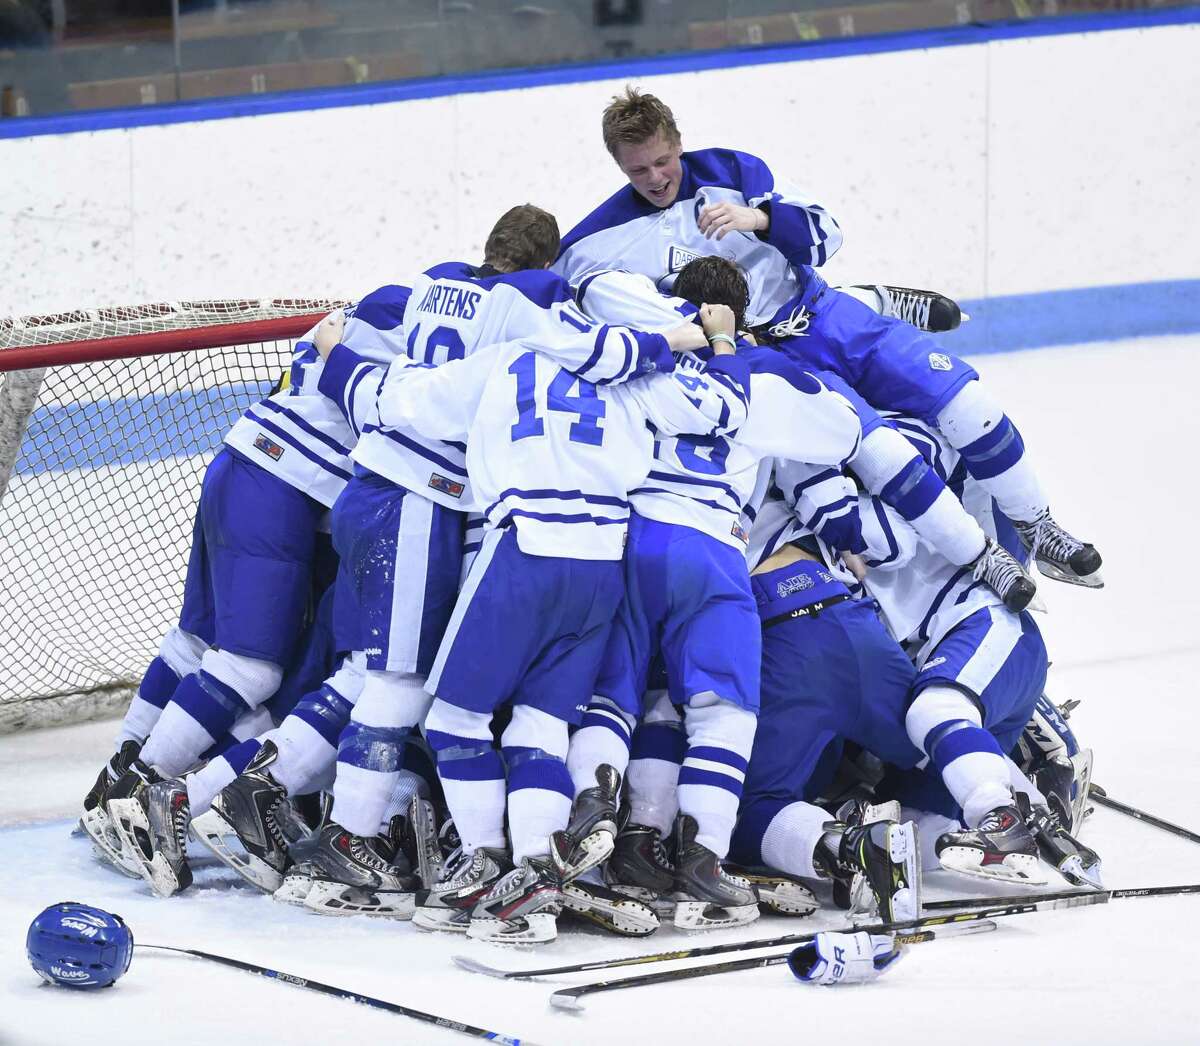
1114	431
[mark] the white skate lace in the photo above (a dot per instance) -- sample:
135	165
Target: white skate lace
910	306
1049	540
795	326
997	568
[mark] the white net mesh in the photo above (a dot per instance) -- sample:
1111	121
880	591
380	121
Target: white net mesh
96	522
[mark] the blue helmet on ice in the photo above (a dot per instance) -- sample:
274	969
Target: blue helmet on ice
79	946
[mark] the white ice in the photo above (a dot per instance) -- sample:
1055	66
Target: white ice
1114	431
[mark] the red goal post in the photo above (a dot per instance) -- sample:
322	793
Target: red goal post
107	420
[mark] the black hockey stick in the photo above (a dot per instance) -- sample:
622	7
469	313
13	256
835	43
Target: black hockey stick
345	993
967	903
1102	797
1017	906
568	998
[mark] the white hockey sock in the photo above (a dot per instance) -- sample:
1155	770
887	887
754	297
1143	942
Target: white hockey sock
176	742
792	837
993	451
471	772
205	783
179	656
1021	783
930	827
303	755
539	786
603	737
720	737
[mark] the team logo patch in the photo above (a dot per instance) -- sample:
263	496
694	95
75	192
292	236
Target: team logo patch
678	257
825	576
271	449
792	585
447	486
737	531
940	361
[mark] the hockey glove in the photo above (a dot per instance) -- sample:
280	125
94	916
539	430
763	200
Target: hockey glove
844	958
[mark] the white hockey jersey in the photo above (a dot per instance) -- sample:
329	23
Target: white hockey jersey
300	435
629	232
453	311
555	455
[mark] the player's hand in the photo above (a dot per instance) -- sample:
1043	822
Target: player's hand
721	218
329	333
855	564
687	337
718	319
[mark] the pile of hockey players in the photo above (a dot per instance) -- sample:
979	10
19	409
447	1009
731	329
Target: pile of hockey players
638	576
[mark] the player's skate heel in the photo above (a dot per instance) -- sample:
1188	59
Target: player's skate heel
522	907
707	897
781	893
997	569
151	814
1001	848
1059	554
608	909
591	834
96	823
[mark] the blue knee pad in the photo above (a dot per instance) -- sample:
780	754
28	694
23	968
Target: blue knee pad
995	452
535	768
465	758
326	711
213	704
913	489
159	684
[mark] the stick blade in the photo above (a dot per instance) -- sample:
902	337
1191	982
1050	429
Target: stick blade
465	962
566	1000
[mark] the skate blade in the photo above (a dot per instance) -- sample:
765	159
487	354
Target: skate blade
700	915
213	832
629	918
535	928
1019	869
904	849
1093	580
1079	874
441	920
133	826
430	863
661	905
781	894
594	849
293	890
889	811
328	898
106	842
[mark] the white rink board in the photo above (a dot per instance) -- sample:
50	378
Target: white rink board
999	168
1097	976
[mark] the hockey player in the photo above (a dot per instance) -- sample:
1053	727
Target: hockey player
249	588
552	457
679	206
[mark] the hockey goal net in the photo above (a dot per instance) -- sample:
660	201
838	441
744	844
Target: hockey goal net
107	420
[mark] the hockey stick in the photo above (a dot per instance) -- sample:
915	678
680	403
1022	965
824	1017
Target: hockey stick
345	993
967	903
568	998
1014	907
1101	796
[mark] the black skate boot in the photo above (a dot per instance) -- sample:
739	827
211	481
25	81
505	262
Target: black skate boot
877	865
151	815
1059	555
706	897
608	909
96	823
1002	847
522	907
589	837
361	875
313	811
640	867
448	903
925	310
1004	576
245	827
1076	863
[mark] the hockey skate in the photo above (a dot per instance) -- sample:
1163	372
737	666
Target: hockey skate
780	892
925	310
1076	863
247	826
151	815
608	909
448	903
522	907
877	866
1058	554
1001	848
997	569
360	875
96	823
589	837
706	897
641	868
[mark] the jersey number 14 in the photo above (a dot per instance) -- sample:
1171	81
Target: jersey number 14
586	405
